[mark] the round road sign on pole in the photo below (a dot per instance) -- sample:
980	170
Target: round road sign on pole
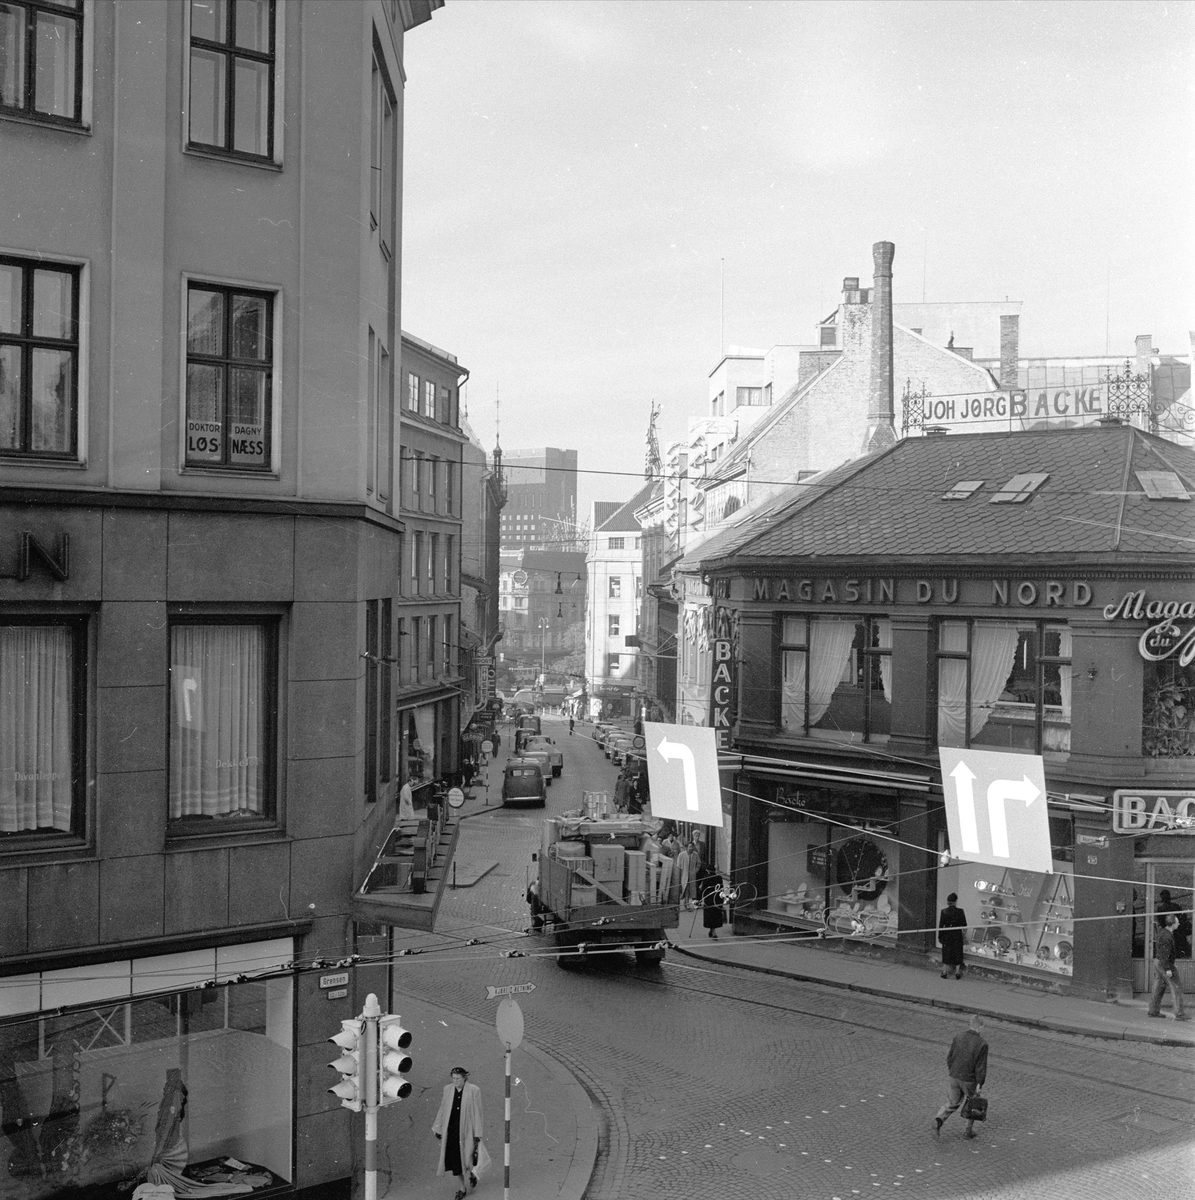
455	797
510	1023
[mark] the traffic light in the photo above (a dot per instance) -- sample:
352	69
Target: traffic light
393	1061
351	1041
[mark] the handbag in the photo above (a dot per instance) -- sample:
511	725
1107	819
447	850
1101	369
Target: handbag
975	1108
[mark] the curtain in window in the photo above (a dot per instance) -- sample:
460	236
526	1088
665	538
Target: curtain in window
829	649
952	686
993	653
217	747
792	694
1064	672
35	728
884	636
425	729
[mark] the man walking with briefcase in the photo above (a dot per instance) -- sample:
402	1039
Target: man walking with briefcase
967	1063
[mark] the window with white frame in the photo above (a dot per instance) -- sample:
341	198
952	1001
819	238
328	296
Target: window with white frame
412	392
39	358
616	543
232	65
615	587
1005	685
383	181
429	398
41	60
222	716
614	622
42	727
229	388
613	662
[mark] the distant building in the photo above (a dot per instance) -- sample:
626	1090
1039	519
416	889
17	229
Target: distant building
541	505
541	601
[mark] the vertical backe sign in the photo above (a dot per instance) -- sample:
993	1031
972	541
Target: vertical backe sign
722	692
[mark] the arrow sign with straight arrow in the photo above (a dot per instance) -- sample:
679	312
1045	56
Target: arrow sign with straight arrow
682	769
1013	829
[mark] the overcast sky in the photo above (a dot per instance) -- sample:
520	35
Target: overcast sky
575	173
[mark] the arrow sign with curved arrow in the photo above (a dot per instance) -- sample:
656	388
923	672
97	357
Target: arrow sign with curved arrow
682	769
1013	829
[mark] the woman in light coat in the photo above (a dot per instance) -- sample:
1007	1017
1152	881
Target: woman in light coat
458	1130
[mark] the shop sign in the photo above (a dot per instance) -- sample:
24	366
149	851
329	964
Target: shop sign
1028	593
1164	639
1153	811
29	548
722	692
1012	405
1092	839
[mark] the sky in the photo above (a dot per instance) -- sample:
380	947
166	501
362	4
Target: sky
601	194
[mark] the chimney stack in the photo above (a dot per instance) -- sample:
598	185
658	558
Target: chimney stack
881	411
1145	351
1010	351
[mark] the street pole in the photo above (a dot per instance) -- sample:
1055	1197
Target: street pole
371	1012
506	1136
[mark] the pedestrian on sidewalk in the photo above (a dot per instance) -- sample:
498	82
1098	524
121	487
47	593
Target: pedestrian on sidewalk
458	1130
496	741
406	803
571	722
1165	975
951	923
709	894
967	1062
536	906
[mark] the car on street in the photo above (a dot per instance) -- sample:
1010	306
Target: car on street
554	753
540	756
619	744
523	784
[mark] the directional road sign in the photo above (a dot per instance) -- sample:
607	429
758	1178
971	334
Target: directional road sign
509	1023
996	808
510	989
682	769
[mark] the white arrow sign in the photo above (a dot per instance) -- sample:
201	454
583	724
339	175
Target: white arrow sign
1013	829
669	752
692	792
510	989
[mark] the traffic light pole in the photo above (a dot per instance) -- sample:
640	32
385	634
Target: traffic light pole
371	1012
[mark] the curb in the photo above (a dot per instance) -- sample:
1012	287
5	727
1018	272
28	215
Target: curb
1039	1023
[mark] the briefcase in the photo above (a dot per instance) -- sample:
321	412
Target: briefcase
975	1108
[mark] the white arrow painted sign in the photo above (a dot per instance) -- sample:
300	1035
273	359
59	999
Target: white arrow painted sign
682	770
1013	828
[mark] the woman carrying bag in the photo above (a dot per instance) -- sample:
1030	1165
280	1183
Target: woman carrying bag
709	895
458	1130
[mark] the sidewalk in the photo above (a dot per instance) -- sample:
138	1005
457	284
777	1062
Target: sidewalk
554	1128
834	967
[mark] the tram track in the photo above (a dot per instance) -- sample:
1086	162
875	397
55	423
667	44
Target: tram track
1181	1070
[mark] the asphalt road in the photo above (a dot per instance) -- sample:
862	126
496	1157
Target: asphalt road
716	1083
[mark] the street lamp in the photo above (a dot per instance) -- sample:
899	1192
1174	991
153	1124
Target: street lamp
543	641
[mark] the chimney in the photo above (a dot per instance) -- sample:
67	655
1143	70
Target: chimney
1010	351
1145	351
881	410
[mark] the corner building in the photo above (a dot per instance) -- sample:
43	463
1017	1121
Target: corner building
1029	593
200	357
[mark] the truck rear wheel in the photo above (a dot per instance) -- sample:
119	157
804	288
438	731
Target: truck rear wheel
649	958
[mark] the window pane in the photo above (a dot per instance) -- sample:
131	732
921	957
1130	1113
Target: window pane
209	19
794	631
10	398
12	55
246	417
53	308
37	719
10	298
52	374
250	327
207	98
54	90
205	408
253	25
217	727
251	106
205	322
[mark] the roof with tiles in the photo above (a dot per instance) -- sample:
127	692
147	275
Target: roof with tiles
603	510
891	505
623	519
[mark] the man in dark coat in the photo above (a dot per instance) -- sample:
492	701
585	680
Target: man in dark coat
951	923
967	1063
1164	971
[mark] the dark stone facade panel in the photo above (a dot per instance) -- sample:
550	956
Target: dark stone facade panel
196	890
323	1148
64	905
326	559
131	898
132	729
134	555
321	796
258	883
325	642
321	875
131	813
218	558
131	645
14	911
323	718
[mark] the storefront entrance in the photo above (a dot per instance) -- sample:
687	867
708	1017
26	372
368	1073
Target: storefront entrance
1161	886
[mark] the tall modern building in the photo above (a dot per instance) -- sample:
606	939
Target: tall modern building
541	505
201	543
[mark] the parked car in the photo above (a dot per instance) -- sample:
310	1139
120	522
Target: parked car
523	784
555	755
619	744
540	756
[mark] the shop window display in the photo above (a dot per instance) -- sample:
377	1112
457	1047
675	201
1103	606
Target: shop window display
191	1089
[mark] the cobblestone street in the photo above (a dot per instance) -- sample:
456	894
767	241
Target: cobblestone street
713	1082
